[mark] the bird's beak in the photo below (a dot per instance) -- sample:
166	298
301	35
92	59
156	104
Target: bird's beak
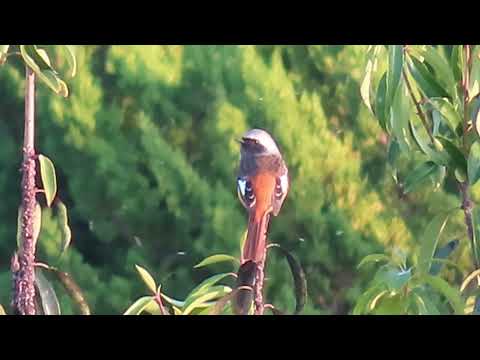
240	141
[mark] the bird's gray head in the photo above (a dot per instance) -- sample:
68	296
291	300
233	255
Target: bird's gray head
259	142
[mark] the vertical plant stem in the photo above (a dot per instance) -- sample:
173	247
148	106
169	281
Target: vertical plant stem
24	278
420	113
467	204
258	289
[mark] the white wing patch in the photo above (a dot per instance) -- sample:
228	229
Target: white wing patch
245	192
281	190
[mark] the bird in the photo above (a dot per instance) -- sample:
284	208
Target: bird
262	186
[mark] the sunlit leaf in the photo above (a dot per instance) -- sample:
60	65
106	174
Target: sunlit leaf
456	62
448	112
451	294
216	259
220	304
65	231
395	65
213	292
2	310
366	84
399	118
424	79
71	59
138	306
440	66
147	278
469	279
361	306
48	298
373	258
49	179
429	242
3	53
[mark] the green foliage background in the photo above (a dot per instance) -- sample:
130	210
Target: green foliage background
146	161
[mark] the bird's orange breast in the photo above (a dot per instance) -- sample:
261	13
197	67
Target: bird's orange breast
263	186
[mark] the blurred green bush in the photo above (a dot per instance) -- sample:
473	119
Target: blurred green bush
146	158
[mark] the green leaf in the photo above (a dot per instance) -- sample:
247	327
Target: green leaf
65	231
475	113
366	84
429	242
474	88
476	234
392	278
451	294
380	111
399	118
424	304
204	286
361	307
71	59
420	174
456	62
47	296
216	259
393	152
147	279
221	303
299	279
171	301
37	62
450	116
49	179
3	53
456	157
474	163
395	64
213	293
373	258
424	79
442	253
138	306
440	66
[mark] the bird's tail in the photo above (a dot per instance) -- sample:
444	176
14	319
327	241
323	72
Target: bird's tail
256	242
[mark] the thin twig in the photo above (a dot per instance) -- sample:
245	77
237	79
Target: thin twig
420	112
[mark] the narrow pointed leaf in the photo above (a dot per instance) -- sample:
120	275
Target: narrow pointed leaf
3	53
380	100
204	286
399	118
448	112
429	242
419	175
474	163
49	179
71	59
147	278
395	64
469	279
361	307
451	294
373	258
366	84
138	306
47	295
213	293
65	231
424	79
216	259
2	310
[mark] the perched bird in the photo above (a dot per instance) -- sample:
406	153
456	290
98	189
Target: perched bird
262	186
